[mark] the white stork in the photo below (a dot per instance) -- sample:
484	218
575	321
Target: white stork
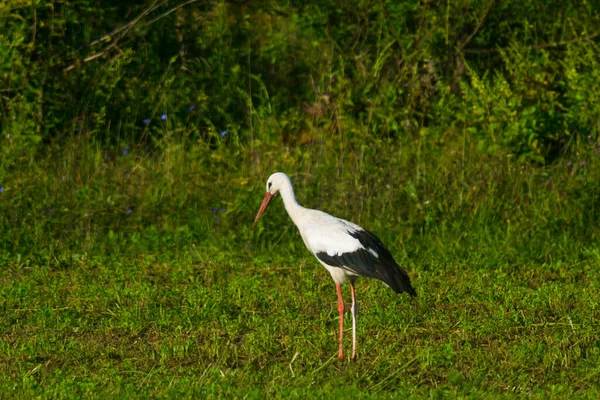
345	249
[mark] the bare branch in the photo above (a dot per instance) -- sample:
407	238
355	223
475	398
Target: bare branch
129	24
123	30
94	56
479	23
11	90
170	11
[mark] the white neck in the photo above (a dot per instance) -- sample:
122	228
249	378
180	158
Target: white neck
292	207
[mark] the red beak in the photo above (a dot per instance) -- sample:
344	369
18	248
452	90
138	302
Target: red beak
263	207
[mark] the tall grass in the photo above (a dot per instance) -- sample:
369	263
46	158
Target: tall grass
78	194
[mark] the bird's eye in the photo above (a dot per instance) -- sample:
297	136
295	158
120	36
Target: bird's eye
269	186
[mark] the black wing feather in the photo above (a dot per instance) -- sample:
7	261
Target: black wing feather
364	263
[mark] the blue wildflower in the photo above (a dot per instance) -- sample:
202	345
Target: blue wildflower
129	211
191	107
1	189
217	219
223	209
248	246
126	150
215	210
146	121
163	117
223	133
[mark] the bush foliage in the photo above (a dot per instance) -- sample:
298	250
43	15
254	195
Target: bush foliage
519	76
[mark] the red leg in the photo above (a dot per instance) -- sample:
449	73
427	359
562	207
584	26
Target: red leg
354	306
341	311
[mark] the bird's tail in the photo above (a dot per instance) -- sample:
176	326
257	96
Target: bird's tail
400	282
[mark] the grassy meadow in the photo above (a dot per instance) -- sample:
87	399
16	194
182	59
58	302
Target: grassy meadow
132	167
139	275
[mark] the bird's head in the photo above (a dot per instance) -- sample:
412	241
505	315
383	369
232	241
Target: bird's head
274	184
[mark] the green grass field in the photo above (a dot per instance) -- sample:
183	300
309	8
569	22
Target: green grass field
138	275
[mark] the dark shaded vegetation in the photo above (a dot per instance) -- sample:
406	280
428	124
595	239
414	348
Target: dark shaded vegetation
518	75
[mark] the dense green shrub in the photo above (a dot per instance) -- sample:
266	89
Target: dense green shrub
518	75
